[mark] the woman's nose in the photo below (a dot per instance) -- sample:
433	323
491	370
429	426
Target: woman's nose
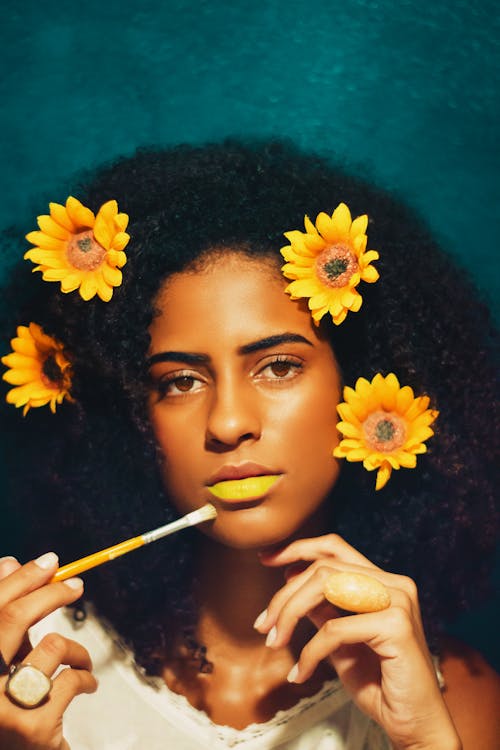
233	416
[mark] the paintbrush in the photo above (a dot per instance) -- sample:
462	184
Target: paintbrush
206	513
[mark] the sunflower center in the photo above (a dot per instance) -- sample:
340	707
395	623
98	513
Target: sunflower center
384	431
335	265
83	252
51	375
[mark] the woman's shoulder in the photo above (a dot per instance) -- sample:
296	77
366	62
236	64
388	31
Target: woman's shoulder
472	694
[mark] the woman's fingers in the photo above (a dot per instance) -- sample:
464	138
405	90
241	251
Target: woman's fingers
54	650
301	597
329	545
68	684
8	565
18	615
385	633
27	578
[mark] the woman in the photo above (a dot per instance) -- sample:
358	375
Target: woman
201	374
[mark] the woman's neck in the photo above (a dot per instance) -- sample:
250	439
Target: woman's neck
234	587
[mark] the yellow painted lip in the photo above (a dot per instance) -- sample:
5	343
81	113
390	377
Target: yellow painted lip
249	488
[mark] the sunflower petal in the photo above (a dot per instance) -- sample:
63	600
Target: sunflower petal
71	281
45	241
121	222
359	225
368	258
19	377
52	228
342	221
309	226
356	454
347	413
390	392
349	430
102	232
326	227
81	216
88	287
117	258
108	211
370	275
22	361
55	274
407	460
111	275
120	241
60	215
383	476
104	291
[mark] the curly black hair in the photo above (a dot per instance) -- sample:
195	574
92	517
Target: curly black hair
88	476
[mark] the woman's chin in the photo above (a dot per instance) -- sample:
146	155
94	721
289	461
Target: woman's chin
241	531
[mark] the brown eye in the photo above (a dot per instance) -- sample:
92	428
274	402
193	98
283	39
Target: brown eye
173	385
184	383
280	369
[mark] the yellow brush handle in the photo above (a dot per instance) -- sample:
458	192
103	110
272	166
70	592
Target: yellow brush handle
85	563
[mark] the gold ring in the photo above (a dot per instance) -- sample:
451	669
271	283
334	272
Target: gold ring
356	592
27	685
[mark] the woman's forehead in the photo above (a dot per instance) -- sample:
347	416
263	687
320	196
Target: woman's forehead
235	298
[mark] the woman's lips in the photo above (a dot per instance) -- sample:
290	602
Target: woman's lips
247	488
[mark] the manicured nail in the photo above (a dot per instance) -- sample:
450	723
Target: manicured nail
293	673
74	583
260	619
271	636
47	561
7	557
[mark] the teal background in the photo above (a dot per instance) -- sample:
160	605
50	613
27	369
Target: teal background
405	92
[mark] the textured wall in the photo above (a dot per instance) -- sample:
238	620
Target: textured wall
406	91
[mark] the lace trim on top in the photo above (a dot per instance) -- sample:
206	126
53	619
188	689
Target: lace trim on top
330	698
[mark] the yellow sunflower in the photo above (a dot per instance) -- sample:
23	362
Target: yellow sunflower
80	250
383	425
38	369
328	261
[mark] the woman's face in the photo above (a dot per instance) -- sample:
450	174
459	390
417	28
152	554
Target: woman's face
243	386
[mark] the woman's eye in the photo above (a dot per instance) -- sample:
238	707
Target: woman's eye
281	369
178	385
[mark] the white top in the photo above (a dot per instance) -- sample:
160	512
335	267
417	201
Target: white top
132	712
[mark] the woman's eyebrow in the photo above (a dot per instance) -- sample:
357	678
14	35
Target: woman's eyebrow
188	357
270	341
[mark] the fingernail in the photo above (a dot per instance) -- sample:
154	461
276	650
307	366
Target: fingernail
74	583
271	636
6	558
260	619
293	673
47	561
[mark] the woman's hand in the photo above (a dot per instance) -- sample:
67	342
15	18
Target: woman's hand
381	657
25	598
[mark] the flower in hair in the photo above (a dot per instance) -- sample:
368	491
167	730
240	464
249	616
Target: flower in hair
80	250
327	262
38	370
384	425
